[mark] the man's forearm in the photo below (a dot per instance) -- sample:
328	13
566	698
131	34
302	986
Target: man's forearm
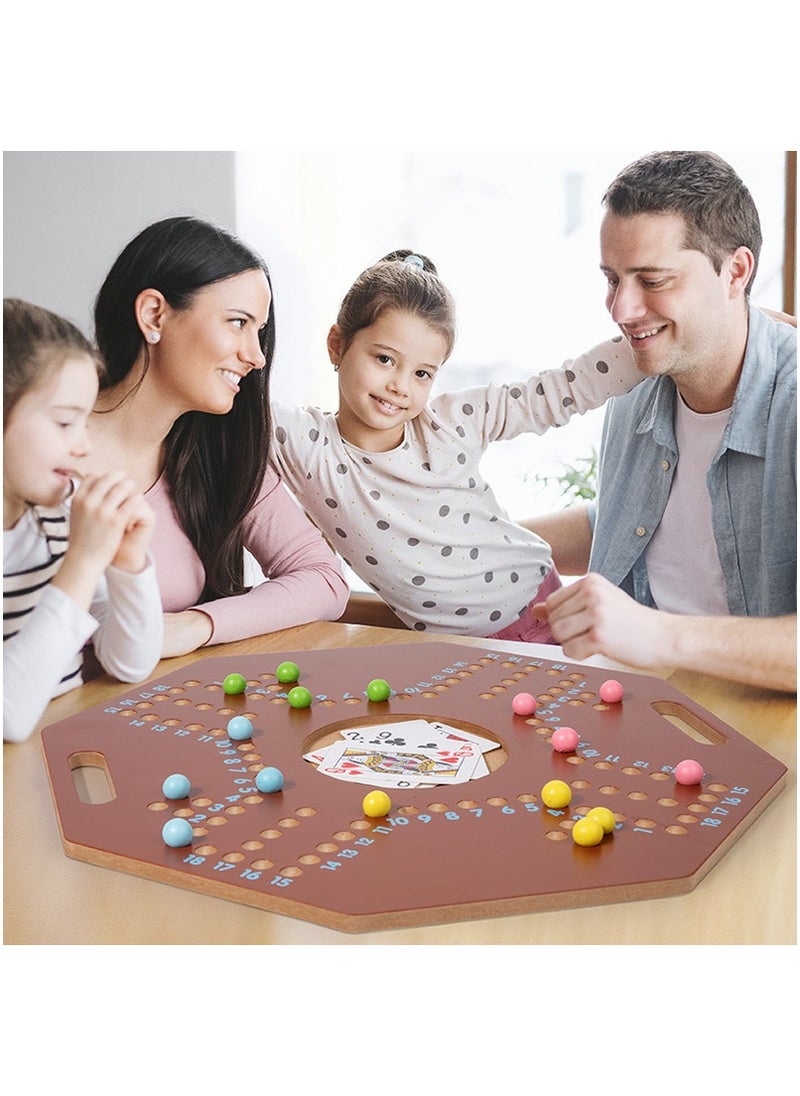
569	534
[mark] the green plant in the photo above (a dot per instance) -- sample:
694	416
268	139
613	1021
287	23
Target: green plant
578	480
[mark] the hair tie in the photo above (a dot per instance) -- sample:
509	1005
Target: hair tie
415	260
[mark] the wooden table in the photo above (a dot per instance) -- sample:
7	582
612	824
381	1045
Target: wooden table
748	898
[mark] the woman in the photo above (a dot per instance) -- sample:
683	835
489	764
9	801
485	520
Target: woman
185	325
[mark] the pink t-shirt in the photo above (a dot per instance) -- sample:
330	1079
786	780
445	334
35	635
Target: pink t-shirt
305	581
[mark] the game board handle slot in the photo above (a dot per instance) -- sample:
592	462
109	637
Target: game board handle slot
690	723
91	777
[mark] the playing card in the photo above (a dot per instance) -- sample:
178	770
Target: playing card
411	734
355	773
455	734
483	744
451	765
415	734
346	772
317	757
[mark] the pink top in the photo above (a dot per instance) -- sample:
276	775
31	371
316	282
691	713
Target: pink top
305	578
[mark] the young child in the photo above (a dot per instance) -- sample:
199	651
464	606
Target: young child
393	480
72	568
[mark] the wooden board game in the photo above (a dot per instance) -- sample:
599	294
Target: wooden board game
484	848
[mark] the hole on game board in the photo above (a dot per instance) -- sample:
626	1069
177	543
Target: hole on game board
383	738
91	778
688	722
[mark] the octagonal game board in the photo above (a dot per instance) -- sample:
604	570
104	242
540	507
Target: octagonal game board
484	848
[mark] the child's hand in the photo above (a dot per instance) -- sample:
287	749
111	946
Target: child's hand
132	553
103	509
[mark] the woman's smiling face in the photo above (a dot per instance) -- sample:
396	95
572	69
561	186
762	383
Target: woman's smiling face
207	349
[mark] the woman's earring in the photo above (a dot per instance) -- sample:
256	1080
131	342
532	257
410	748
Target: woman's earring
154	336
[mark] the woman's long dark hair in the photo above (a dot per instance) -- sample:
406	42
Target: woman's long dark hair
214	464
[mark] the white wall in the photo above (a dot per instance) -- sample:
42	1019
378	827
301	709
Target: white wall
67	215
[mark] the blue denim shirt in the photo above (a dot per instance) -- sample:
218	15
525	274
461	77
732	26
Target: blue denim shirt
752	481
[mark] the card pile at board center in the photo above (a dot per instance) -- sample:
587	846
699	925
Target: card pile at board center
414	753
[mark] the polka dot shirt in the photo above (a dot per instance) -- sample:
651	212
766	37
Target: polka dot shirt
419	524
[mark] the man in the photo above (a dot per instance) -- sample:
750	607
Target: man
694	548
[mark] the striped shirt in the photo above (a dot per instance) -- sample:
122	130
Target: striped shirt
40	544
